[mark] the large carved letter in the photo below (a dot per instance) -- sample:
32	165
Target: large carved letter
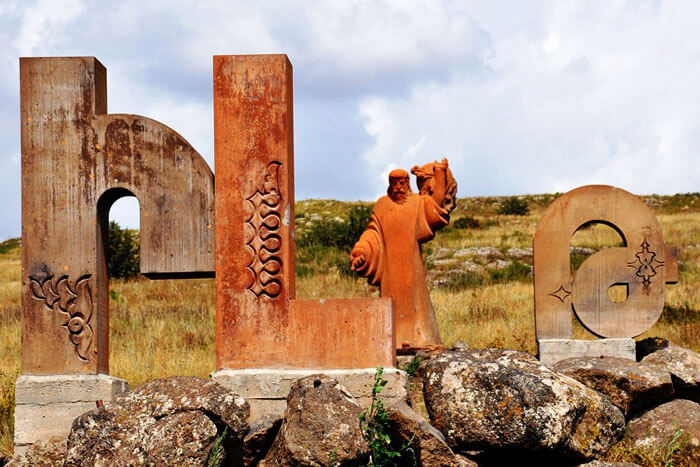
645	265
76	161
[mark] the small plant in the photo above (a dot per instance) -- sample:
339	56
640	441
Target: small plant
412	368
216	455
374	424
514	206
672	447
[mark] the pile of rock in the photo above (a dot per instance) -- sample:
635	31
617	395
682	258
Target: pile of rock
485	407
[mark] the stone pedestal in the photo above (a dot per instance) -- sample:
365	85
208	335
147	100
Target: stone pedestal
46	405
266	389
554	350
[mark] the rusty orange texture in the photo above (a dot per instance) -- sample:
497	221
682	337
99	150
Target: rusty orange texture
388	252
258	321
76	161
644	265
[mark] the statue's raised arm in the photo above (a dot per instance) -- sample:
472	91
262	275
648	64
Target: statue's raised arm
435	179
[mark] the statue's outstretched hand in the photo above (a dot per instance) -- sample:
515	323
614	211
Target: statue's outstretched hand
357	260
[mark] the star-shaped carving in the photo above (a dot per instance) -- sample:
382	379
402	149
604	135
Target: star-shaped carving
561	293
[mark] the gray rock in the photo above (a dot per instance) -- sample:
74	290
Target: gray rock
631	386
427	445
649	345
470	266
259	439
47	453
465	252
654	430
441	253
684	366
321	423
507	401
177	420
445	262
581	250
499	264
520	253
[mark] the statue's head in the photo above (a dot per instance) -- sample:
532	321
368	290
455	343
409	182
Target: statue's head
399	186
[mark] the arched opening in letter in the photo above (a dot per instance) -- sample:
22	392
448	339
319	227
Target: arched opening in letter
157	328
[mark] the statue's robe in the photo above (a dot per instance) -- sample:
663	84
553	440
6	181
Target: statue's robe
391	245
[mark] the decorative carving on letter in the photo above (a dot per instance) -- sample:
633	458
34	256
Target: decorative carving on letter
262	234
73	303
561	293
645	265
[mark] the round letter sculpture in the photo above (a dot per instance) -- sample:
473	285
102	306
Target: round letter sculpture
644	265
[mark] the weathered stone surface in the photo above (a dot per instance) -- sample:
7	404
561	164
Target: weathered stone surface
46	405
321	422
48	453
649	345
259	322
507	400
77	160
553	350
657	427
388	251
428	447
266	389
169	421
684	366
259	439
629	385
645	265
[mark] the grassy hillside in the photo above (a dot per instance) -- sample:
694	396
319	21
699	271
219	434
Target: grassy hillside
480	277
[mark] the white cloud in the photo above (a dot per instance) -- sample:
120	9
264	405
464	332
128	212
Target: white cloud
520	96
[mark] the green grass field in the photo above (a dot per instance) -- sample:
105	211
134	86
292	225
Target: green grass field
163	328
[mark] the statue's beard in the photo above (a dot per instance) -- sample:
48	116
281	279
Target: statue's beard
399	195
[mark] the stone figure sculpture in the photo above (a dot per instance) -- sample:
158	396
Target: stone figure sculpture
388	252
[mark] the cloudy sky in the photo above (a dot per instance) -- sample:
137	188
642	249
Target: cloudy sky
521	97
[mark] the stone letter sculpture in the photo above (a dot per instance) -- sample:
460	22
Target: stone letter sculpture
388	252
644	265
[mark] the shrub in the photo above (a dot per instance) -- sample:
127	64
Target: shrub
341	235
9	245
514	206
122	252
466	223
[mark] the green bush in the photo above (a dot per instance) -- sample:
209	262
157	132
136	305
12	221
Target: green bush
514	206
466	223
9	245
122	252
341	235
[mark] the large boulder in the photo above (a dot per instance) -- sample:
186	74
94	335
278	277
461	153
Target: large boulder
173	421
426	445
631	386
46	453
684	366
508	402
676	422
321	426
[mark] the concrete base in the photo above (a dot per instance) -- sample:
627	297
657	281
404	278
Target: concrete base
554	350
46	405
266	389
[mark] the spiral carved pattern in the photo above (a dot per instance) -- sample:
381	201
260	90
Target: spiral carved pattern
262	234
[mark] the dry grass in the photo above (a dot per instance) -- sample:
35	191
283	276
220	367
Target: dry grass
165	328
